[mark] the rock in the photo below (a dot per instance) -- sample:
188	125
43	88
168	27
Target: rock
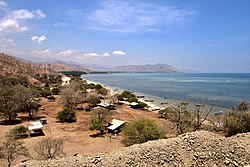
199	148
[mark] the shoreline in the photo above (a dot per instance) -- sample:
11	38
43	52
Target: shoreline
157	103
113	91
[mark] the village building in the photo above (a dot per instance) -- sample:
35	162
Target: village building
65	80
115	126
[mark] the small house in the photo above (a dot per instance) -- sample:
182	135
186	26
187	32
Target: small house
36	127
115	126
65	80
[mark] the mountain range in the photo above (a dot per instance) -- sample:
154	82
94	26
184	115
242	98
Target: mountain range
14	65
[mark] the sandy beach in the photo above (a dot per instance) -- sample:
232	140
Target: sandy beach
152	106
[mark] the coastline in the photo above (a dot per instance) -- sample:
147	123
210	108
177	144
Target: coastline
155	103
112	91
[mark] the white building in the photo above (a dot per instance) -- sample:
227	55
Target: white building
65	80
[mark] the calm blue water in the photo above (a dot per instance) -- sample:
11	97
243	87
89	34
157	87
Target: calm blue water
223	90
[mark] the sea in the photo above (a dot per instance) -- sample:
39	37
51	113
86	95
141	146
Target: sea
224	90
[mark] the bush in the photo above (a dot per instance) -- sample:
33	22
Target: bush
127	94
12	150
94	100
18	132
49	148
55	91
45	92
99	119
66	115
141	105
236	122
142	131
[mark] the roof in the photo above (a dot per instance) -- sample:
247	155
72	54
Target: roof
115	124
65	78
133	104
35	125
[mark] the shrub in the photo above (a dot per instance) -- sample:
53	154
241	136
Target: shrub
141	105
66	115
142	131
236	122
55	91
99	118
94	100
12	150
132	99
45	92
17	132
49	148
127	94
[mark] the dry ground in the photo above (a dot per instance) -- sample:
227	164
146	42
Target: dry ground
77	135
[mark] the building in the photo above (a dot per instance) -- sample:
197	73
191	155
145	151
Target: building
115	126
65	80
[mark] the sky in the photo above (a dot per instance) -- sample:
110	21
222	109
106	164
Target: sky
203	36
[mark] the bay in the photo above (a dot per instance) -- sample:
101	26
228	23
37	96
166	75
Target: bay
220	89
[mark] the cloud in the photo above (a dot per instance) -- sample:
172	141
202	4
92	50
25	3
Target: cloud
128	16
3	5
96	55
42	52
23	14
38	39
118	53
67	52
7	42
9	26
14	21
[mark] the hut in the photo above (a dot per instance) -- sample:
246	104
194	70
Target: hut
115	126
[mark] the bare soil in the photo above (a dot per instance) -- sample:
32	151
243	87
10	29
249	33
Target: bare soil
77	136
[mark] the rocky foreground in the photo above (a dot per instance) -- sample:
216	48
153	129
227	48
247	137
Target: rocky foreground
199	148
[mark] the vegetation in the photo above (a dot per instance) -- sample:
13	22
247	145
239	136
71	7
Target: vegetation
72	94
18	132
66	115
49	148
99	119
8	102
238	120
73	73
27	101
127	95
142	131
13	149
93	100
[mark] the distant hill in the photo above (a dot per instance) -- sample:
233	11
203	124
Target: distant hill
146	68
12	66
63	66
133	68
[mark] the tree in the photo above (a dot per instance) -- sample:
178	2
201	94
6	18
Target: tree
237	121
199	120
13	149
49	148
66	115
27	103
142	131
94	100
8	102
99	118
71	96
181	116
17	132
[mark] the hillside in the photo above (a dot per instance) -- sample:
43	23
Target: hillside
200	148
63	66
11	66
133	68
146	68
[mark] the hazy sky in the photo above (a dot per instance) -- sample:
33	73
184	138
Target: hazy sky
203	35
